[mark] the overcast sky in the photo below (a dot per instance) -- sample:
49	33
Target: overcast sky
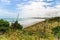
29	8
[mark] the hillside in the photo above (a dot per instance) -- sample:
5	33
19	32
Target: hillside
38	31
46	25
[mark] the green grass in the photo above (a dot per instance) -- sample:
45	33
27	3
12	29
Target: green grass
19	35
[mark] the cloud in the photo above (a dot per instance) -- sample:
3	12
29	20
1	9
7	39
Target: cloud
57	6
6	1
34	0
37	9
31	10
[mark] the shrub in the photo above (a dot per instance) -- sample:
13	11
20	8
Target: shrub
16	25
4	25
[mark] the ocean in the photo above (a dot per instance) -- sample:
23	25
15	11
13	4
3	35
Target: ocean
23	22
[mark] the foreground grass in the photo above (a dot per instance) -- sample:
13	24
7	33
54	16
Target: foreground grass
19	35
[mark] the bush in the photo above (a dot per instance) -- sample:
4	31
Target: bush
4	25
16	25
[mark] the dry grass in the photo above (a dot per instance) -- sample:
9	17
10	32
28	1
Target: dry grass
24	34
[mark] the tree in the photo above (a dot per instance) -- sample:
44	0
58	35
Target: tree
4	25
16	25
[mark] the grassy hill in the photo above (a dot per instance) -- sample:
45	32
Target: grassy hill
46	25
38	31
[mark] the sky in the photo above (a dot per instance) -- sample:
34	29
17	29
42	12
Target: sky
29	8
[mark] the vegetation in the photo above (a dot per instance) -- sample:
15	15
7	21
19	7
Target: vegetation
46	30
16	25
56	31
4	26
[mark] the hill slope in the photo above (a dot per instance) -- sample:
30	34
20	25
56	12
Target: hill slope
46	25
